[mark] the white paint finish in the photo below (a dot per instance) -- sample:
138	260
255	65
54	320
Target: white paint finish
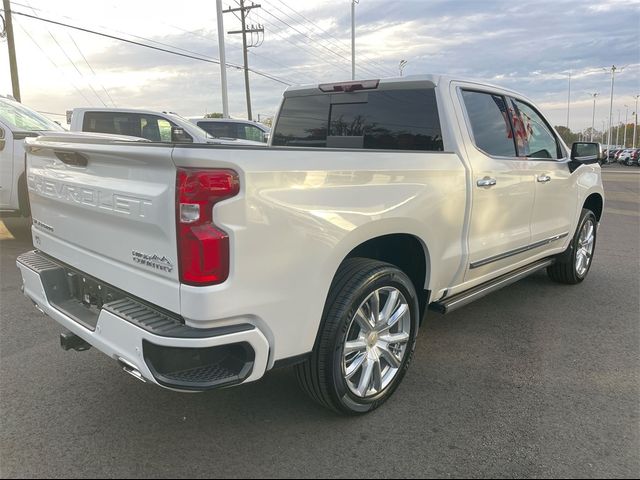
118	338
301	212
7	166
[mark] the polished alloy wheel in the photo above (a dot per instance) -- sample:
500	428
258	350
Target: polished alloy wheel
585	247
376	342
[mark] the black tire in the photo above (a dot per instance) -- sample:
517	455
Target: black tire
19	227
320	376
564	270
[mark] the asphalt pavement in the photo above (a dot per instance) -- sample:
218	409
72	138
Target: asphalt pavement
536	380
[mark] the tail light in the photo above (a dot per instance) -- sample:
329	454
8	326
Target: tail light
203	249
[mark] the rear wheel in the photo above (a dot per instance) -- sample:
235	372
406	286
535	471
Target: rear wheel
573	265
367	338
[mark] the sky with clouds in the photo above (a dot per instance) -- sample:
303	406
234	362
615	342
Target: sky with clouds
528	45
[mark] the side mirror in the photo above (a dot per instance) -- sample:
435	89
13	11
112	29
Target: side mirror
585	153
178	135
3	141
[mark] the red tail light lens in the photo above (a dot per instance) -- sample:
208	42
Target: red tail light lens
203	249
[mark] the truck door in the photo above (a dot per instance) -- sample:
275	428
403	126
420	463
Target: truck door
503	187
554	211
6	167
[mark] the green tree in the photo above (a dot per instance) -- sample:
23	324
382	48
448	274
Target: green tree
567	135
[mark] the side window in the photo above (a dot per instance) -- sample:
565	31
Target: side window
489	123
219	129
112	122
533	136
249	132
164	127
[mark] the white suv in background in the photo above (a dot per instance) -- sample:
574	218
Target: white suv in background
232	128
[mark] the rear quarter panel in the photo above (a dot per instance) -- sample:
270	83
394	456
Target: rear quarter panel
300	213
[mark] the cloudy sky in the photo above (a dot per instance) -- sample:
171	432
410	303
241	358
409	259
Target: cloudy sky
528	45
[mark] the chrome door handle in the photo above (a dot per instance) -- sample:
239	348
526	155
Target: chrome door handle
486	182
544	178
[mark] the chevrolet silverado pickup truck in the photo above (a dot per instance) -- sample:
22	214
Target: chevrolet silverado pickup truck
198	267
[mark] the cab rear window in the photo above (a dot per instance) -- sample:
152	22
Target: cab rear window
382	119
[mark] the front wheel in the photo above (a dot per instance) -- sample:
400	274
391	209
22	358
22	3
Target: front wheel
366	339
572	266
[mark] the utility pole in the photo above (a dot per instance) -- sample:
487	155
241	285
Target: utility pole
244	12
223	60
353	38
569	101
13	63
635	122
593	118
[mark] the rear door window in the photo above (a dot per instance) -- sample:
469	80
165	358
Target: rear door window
382	119
490	124
151	127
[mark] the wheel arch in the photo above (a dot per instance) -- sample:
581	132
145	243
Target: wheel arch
595	203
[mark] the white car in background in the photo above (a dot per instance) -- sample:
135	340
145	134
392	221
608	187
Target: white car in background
162	127
233	128
625	156
17	122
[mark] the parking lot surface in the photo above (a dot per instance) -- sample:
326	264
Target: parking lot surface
536	380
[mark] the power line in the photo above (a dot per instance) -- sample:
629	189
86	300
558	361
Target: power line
91	68
321	55
199	57
331	40
70	60
312	40
54	64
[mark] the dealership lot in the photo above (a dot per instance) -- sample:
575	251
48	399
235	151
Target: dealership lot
536	380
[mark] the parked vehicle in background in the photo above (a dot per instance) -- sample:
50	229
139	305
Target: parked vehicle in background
201	267
160	127
17	122
634	157
624	156
232	128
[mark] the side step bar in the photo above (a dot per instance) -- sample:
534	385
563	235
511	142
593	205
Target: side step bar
448	305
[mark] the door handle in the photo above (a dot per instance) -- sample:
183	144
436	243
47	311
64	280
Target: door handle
486	182
544	178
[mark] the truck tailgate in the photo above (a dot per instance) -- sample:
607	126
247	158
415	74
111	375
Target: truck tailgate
108	209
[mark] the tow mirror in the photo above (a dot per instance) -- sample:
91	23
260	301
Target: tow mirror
585	153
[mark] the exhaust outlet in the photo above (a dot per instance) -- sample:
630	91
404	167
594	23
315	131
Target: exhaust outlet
131	369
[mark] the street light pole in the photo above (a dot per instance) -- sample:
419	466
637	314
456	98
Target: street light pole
618	130
635	122
569	101
593	118
626	119
223	61
403	63
353	38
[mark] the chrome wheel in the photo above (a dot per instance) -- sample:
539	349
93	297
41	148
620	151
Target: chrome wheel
376	342
584	252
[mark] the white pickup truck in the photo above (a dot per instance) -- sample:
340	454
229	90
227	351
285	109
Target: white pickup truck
17	122
198	267
160	127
